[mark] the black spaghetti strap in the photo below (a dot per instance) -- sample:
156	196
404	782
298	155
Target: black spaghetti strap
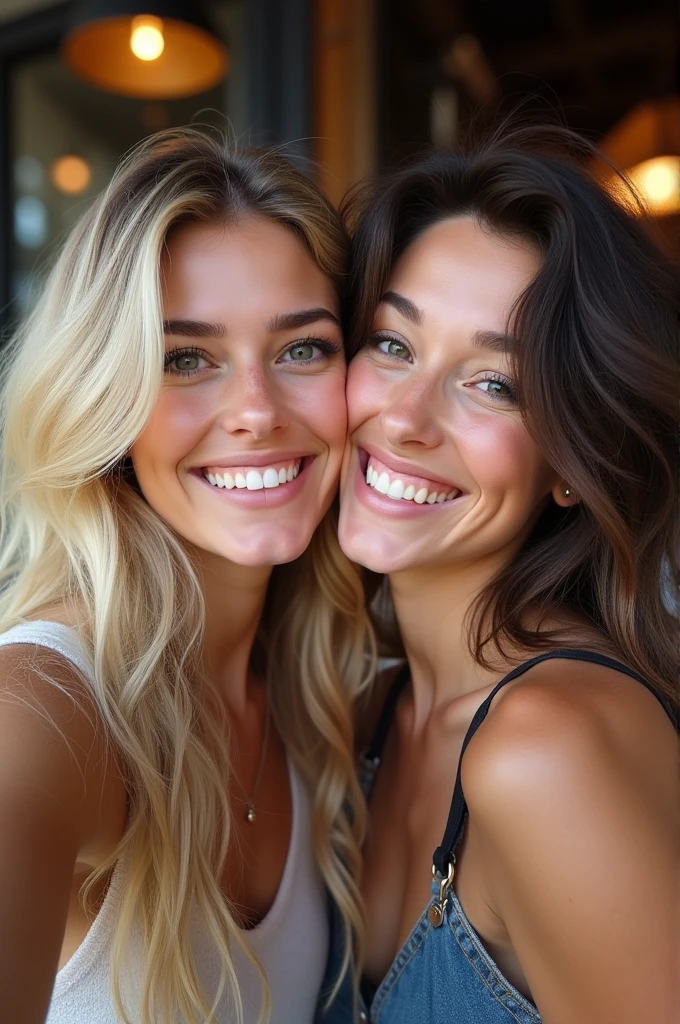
458	812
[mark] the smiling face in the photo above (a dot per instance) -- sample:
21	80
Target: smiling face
242	451
440	468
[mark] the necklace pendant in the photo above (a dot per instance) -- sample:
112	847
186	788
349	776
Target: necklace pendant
251	817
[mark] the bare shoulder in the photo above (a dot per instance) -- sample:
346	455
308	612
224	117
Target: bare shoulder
54	753
572	788
561	728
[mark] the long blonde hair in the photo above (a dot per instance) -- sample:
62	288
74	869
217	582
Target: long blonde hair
82	382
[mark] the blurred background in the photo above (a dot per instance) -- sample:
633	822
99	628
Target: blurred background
350	86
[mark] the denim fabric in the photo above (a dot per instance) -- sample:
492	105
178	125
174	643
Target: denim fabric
440	976
444	975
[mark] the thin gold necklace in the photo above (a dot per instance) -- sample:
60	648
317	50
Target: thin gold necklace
251	815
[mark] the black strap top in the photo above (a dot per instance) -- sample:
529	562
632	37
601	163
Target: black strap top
458	812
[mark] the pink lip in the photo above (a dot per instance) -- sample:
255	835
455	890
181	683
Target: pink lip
267	497
274	458
409	469
377	502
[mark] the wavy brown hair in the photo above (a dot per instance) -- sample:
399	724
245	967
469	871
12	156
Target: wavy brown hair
597	367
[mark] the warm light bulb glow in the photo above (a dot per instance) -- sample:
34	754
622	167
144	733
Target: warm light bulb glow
70	174
658	182
146	37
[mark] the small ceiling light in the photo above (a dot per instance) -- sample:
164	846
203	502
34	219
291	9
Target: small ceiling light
658	182
70	174
146	37
646	145
148	49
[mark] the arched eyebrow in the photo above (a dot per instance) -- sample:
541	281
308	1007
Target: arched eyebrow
497	341
280	322
301	318
194	329
408	309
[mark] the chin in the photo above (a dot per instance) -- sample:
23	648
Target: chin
275	549
374	551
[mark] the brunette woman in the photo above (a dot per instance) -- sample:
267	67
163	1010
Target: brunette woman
176	766
512	472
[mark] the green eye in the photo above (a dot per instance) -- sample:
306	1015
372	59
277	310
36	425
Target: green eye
497	389
185	363
392	347
302	352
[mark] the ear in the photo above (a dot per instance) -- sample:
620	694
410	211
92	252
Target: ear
564	495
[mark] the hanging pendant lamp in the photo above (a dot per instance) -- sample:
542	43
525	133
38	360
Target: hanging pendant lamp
151	49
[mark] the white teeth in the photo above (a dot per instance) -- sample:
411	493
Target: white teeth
395	488
254	480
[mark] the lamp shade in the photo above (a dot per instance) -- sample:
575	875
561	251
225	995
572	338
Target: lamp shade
646	145
151	49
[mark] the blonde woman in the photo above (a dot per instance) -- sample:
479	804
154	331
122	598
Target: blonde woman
177	791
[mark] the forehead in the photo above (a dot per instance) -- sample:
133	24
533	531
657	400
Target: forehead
253	266
458	268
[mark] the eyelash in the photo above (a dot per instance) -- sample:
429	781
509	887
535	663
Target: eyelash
499	379
325	345
190	350
375	339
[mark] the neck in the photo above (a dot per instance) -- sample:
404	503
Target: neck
234	596
432	606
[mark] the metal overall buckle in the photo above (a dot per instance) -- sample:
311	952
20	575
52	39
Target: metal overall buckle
435	914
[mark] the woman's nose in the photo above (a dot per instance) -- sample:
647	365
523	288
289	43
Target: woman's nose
252	405
409	416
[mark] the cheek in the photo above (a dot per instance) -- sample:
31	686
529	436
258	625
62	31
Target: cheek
177	422
321	407
366	393
502	456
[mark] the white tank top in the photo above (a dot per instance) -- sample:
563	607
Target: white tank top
291	942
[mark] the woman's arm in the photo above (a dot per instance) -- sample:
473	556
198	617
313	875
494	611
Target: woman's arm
573	788
51	776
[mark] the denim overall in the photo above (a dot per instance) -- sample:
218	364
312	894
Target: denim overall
442	974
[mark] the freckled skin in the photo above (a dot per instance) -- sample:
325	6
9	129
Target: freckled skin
247	399
464	279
